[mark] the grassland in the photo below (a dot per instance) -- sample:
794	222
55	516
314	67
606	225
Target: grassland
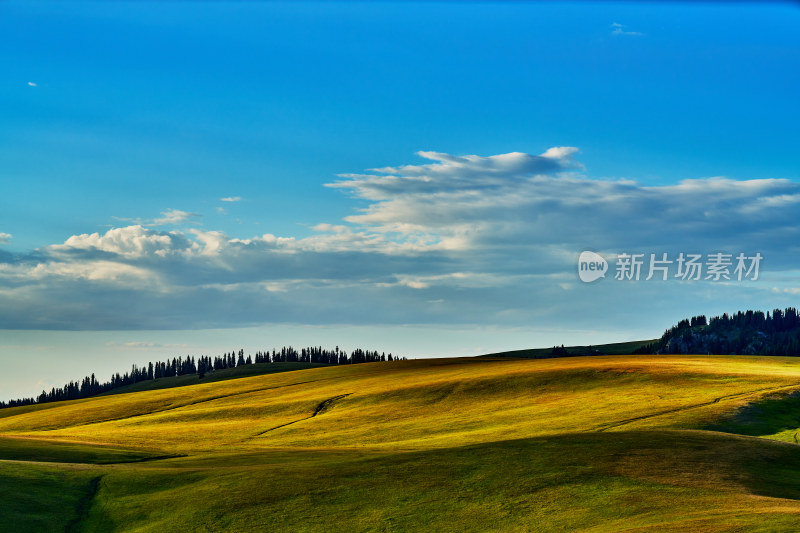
601	443
616	348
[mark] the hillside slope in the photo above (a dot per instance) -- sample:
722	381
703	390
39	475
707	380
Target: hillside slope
616	348
603	442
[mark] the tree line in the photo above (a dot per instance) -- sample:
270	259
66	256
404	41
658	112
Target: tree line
202	365
741	333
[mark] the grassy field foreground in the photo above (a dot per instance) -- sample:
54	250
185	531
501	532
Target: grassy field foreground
607	443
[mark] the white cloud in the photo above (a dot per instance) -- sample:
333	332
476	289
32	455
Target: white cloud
173	217
793	290
129	242
490	239
109	271
5	238
168	217
231	199
473	204
32	84
146	345
619	29
454	279
448	173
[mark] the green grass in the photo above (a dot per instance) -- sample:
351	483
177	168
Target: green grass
616	348
774	416
602	443
33	449
42	497
211	377
617	481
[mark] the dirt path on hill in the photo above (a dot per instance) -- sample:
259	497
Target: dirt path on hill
319	409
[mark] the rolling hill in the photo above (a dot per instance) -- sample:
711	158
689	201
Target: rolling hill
616	348
607	443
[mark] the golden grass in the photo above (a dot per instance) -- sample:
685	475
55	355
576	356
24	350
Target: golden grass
417	404
596	431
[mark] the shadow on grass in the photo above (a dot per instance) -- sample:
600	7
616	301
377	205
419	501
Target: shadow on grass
767	416
678	458
564	482
46	497
51	451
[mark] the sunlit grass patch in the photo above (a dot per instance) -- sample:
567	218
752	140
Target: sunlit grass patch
601	443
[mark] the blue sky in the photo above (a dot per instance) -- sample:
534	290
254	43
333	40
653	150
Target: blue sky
221	153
